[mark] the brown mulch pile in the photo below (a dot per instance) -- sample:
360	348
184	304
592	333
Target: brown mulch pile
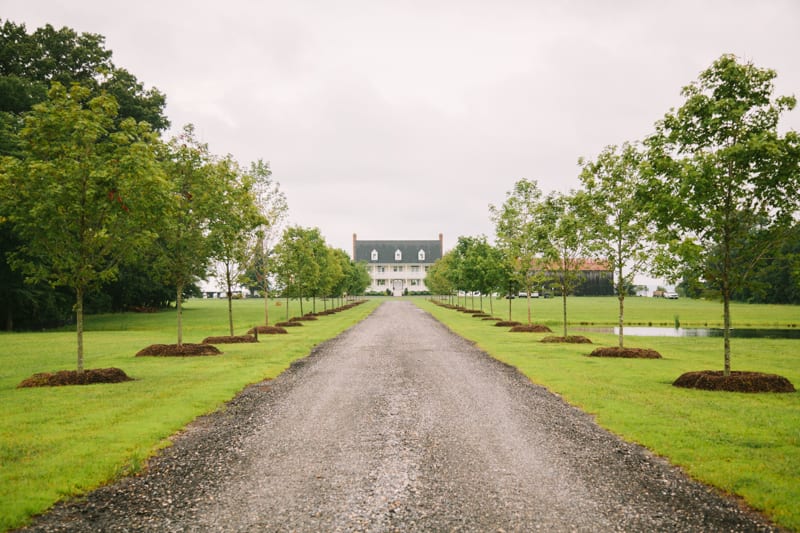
715	380
303	318
635	353
72	377
533	328
574	339
268	330
184	350
480	315
227	339
507	323
493	318
289	324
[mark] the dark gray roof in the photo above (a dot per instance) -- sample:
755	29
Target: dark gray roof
409	251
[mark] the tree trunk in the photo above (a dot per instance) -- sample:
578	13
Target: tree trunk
230	299
564	305
179	307
301	305
287	308
79	326
509	307
491	307
529	306
266	306
621	318
726	328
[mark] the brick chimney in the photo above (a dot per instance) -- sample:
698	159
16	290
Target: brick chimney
441	245
354	246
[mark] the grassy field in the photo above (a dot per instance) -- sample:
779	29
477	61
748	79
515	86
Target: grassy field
745	444
63	441
641	311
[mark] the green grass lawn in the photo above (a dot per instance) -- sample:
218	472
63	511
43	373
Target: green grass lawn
745	444
642	311
63	441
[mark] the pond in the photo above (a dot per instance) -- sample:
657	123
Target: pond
741	333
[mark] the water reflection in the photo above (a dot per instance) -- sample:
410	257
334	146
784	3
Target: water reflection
742	333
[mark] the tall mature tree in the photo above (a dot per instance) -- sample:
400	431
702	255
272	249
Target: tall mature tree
722	169
80	195
564	243
518	227
619	226
272	206
232	229
188	216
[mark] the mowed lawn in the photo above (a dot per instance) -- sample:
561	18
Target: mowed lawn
744	444
62	441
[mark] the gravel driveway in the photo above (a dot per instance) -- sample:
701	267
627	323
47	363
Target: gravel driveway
399	425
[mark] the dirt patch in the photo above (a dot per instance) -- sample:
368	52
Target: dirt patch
531	328
507	323
173	350
289	324
73	377
715	380
268	330
573	339
228	339
631	353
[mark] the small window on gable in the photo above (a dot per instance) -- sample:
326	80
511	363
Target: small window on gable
374	255
398	255
421	255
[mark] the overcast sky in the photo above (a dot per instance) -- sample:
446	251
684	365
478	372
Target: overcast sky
404	119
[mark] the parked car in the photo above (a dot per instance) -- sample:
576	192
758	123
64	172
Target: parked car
671	295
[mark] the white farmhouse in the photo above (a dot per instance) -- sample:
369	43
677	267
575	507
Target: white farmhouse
397	265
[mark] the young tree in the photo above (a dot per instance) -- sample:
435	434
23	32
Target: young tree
564	241
272	205
79	197
722	169
232	229
188	216
618	224
518	227
296	265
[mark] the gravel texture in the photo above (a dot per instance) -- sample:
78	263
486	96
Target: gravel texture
399	425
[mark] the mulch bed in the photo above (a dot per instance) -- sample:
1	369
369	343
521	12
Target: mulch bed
289	324
304	318
268	330
493	318
173	350
633	353
480	315
573	339
507	323
72	377
227	339
532	328
715	380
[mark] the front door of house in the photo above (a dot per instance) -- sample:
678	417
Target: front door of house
397	287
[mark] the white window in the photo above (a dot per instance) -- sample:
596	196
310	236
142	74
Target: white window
374	255
380	268
421	255
414	268
398	268
426	268
415	282
398	255
369	269
380	282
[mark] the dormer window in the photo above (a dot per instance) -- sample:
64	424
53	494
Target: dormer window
398	255
374	255
421	255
